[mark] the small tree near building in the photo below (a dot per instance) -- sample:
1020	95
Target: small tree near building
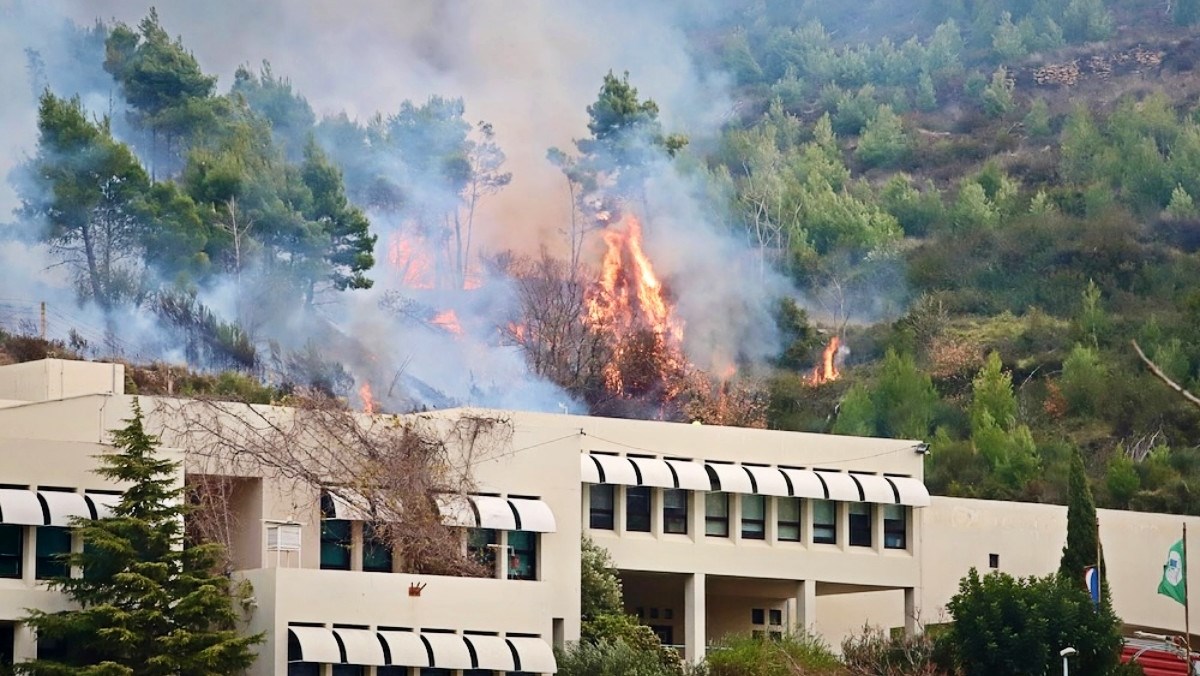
147	606
1083	546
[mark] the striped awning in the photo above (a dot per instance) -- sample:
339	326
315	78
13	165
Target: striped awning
490	511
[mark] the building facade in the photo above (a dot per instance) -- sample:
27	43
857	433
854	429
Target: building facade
713	531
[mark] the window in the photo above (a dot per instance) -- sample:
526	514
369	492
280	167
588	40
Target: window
523	545
481	546
675	511
377	551
431	671
824	522
637	508
7	634
349	670
601	506
53	545
993	560
757	616
295	666
860	524
391	671
12	548
335	544
789	518
754	514
776	617
895	527
716	515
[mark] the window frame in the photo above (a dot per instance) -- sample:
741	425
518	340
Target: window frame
51	564
375	550
478	550
638	493
758	525
860	534
716	519
782	525
518	554
819	528
333	540
602	517
890	528
676	514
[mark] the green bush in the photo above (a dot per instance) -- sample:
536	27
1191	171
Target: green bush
744	655
605	658
874	653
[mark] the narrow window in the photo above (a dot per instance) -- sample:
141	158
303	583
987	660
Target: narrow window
12	548
637	508
523	565
716	515
757	616
481	546
53	546
776	617
601	506
335	537
789	518
675	511
377	550
348	670
993	560
754	514
824	522
860	524
895	527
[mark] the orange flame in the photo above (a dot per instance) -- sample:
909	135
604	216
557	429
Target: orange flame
629	297
448	320
827	370
368	400
414	267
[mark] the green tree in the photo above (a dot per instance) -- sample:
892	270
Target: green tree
856	414
1181	206
992	393
1186	12
904	398
348	240
147	605
1037	120
86	187
1083	547
1005	626
1084	380
1007	41
1087	21
997	96
883	141
290	115
600	588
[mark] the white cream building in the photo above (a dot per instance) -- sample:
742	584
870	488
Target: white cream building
714	530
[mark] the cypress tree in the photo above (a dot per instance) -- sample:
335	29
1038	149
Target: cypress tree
146	605
1082	544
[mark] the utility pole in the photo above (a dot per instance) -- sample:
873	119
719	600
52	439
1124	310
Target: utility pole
43	320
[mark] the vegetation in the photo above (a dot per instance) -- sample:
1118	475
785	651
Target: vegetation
147	604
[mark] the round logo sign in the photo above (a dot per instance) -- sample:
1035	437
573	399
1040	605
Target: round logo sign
1174	571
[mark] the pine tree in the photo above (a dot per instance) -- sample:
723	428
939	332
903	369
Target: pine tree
147	605
1082	545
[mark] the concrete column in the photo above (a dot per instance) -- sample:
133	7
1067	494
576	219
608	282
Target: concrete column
771	516
695	607
696	507
502	555
804	606
842	518
877	528
24	643
656	512
29	555
619	509
912	611
356	545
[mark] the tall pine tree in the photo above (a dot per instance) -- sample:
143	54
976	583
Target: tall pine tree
147	605
1083	547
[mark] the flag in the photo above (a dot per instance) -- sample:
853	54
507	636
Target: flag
1091	580
1174	572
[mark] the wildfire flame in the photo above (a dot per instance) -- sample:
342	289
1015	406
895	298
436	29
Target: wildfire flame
447	320
827	370
368	399
629	299
409	260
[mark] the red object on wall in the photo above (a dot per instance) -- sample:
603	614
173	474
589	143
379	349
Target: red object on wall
1156	658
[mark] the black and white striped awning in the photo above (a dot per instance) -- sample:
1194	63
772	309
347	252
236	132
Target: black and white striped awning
26	507
436	649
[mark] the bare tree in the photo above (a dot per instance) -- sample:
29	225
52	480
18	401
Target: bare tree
394	469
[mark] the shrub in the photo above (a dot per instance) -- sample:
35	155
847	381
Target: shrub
743	655
605	658
874	653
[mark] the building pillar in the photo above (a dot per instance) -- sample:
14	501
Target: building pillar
696	514
24	643
695	608
912	611
804	606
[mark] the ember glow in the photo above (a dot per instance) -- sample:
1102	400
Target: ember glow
447	320
827	370
409	259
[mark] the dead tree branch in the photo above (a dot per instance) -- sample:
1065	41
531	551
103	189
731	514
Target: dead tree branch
1158	373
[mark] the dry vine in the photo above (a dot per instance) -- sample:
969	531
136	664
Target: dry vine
392	468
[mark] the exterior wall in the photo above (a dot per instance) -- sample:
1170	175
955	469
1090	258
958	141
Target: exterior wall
51	379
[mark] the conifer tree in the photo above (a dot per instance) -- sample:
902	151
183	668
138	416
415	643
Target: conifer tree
146	605
1082	545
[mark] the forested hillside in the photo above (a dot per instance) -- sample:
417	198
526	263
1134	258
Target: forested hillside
946	220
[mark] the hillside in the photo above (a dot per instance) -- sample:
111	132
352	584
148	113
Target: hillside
945	219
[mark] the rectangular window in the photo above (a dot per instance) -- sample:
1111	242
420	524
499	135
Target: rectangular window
602	499
377	551
335	544
348	670
860	524
637	508
757	616
824	522
53	546
481	546
523	565
754	517
716	515
431	671
675	510
895	527
789	519
776	617
12	550
305	669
